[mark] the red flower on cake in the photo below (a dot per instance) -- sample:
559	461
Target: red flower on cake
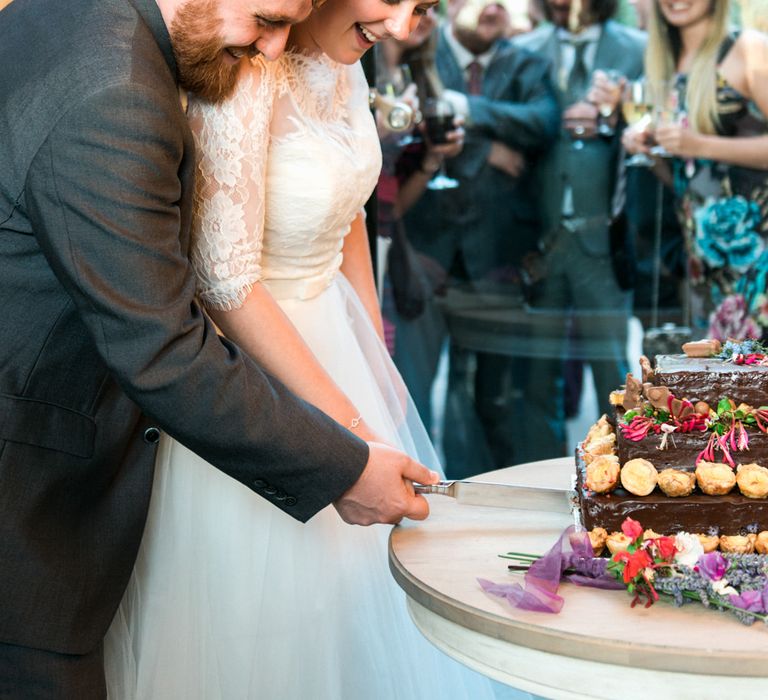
634	563
665	547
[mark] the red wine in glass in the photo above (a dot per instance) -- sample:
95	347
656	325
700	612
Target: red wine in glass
438	127
438	121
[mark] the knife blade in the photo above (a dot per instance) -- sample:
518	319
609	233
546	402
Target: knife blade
486	493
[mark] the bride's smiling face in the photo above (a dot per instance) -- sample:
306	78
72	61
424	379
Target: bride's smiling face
345	29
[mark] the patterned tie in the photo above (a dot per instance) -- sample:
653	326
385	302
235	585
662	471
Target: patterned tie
475	78
578	79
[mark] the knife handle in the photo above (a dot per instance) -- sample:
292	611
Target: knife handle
441	488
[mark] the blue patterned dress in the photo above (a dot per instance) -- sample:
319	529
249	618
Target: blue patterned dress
724	212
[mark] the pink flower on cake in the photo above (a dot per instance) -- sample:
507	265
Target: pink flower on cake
751	601
632	529
713	565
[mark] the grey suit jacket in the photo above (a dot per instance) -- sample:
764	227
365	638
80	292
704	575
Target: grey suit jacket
102	338
491	218
592	171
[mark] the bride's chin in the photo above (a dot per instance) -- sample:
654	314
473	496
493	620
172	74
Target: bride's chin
346	56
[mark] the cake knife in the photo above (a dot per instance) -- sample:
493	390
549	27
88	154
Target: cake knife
485	493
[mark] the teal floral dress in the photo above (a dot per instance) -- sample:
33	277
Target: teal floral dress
724	211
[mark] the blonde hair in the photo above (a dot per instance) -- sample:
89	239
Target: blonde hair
663	53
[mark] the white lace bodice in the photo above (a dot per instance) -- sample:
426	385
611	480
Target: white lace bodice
284	166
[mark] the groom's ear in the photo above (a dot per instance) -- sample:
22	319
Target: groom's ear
315	3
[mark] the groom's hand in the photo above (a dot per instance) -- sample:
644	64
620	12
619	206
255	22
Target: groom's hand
384	492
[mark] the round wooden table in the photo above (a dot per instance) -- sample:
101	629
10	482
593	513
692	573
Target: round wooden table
596	647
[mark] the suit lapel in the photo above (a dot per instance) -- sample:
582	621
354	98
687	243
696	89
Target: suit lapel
606	48
550	48
496	79
451	73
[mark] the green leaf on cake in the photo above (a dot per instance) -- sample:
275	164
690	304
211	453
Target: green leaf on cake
723	406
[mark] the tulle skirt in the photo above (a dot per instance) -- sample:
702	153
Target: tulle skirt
232	599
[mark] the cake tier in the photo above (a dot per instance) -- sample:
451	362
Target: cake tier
710	379
683	448
733	514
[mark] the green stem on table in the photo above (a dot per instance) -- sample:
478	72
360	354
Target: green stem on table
523	556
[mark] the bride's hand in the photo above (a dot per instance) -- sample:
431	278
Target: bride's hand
384	492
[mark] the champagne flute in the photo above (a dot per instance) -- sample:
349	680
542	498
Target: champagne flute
637	109
438	120
667	110
606	109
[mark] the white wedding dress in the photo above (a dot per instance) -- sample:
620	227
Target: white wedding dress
231	598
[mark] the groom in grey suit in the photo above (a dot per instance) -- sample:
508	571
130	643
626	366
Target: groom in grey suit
103	345
576	180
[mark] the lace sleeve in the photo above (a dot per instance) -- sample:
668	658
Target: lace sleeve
228	224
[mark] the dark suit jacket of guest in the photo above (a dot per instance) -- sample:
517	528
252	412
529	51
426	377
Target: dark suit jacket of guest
491	217
592	171
101	336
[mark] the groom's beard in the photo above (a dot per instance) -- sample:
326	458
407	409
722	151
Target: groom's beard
198	48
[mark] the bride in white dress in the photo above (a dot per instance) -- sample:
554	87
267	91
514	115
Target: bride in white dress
231	598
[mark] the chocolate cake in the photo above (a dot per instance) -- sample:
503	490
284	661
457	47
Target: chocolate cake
693	426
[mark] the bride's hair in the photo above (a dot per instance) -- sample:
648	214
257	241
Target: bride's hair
663	54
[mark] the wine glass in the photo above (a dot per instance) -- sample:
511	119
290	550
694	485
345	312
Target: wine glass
637	109
606	109
438	120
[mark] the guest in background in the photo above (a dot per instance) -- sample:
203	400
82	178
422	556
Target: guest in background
719	140
659	284
408	163
478	232
583	277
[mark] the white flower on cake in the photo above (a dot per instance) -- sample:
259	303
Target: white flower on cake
721	587
689	549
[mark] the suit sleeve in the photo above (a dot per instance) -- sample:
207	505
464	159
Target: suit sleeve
531	121
105	198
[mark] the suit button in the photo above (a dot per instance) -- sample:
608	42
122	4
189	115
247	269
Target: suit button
280	496
259	483
152	435
270	490
291	500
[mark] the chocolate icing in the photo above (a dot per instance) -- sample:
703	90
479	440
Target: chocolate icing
698	513
710	379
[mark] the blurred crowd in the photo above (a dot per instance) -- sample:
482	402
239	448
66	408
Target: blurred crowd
576	167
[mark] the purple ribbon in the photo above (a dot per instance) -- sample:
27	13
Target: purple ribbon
572	553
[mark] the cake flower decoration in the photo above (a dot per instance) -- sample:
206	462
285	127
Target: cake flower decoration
689	549
727	424
744	352
650	567
713	565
